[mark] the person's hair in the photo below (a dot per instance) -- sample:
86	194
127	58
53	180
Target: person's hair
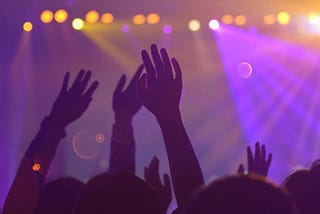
304	187
117	194
58	196
241	194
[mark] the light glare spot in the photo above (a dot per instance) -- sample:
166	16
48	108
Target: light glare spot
139	19
244	69
167	29
36	167
194	25
107	18
227	19
283	18
153	18
77	24
240	20
27	26
46	16
269	19
92	16
61	16
214	24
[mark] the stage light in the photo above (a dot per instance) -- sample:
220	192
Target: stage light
92	16
77	24
36	167
125	28
107	18
61	16
314	18
214	24
227	19
244	69
194	25
139	19
283	18
153	18
27	26
269	19
240	20
167	29
46	16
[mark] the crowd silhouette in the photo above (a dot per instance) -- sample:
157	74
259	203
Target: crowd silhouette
119	190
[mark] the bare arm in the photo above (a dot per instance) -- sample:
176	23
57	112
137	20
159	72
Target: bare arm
160	91
69	106
125	105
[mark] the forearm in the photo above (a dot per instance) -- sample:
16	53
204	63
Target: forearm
24	191
122	152
185	170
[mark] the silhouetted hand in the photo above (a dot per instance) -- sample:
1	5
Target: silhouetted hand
71	104
257	164
159	89
151	175
127	100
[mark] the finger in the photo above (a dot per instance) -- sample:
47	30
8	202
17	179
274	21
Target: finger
77	81
240	170
157	59
154	165
135	78
263	152
148	64
167	183
250	159
177	70
145	173
91	89
120	85
269	160
167	65
85	81
257	152
142	87
64	86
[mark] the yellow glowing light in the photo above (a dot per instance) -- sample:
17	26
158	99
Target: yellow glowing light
194	25
240	20
27	26
107	18
77	24
36	167
283	18
92	16
153	18
314	18
46	16
227	19
61	16
269	19
139	19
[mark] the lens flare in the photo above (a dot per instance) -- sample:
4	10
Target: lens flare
46	16
77	24
27	26
61	16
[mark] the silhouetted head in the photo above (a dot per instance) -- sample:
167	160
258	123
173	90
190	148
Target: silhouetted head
304	187
117	194
243	195
58	196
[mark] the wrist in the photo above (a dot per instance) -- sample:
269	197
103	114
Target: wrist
122	118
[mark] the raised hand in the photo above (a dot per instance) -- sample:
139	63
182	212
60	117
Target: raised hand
127	100
160	88
258	163
72	103
163	191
